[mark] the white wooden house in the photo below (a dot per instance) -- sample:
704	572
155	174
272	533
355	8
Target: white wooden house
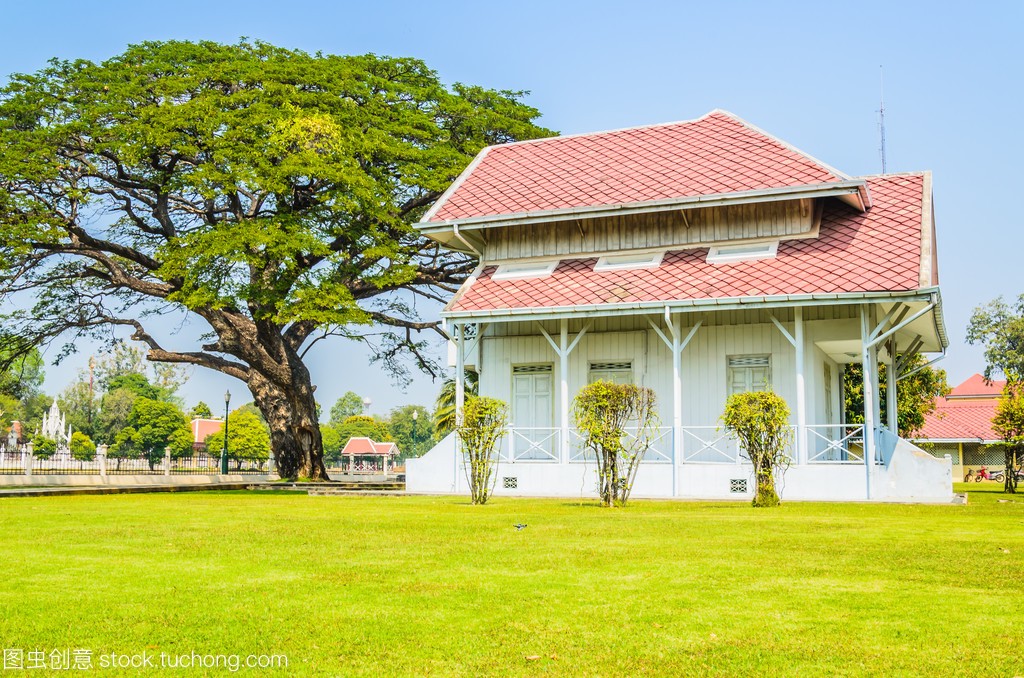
698	258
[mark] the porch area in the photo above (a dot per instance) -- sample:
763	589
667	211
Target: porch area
693	361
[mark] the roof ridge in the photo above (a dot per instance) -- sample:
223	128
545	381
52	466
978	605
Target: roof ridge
911	173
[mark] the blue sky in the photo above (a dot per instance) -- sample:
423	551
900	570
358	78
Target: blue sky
806	72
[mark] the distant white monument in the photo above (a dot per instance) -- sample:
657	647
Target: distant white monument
55	426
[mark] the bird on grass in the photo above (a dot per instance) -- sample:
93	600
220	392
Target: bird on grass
519	526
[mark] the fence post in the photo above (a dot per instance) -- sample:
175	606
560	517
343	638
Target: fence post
101	457
27	455
167	462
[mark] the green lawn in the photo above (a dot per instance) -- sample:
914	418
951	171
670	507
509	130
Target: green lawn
431	585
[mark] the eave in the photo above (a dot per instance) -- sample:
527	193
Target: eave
854	192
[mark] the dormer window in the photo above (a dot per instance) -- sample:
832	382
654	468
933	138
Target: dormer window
728	254
533	269
625	261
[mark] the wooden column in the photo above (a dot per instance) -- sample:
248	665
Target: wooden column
563	391
870	399
801	393
891	412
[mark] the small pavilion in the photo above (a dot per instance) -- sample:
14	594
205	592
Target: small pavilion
366	456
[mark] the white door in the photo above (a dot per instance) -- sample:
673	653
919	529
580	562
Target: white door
534	435
749	373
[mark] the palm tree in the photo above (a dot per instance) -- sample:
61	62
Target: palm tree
444	412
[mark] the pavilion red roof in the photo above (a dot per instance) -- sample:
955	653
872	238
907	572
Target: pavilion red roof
364	447
718	153
872	251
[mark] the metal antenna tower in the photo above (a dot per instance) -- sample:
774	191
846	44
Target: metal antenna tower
881	116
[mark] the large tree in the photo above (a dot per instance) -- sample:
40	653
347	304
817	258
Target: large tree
267	192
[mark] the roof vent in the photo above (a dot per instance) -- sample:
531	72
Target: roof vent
626	261
533	269
727	254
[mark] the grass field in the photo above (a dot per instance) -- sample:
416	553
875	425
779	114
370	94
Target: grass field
433	586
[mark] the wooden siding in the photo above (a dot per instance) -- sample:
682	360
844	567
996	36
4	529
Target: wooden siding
676	228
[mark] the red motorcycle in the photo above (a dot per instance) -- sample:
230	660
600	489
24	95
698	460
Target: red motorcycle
984	474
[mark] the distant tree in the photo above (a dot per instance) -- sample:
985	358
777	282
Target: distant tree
999	328
80	406
484	421
364	426
414	435
444	406
43	447
248	439
115	410
23	375
137	384
915	395
32	409
152	428
200	411
759	419
1009	424
82	447
10	410
602	412
332	443
348	405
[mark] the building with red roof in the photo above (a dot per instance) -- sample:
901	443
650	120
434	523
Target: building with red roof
961	426
366	456
699	258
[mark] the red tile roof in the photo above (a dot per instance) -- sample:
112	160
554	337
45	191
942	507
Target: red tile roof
362	447
962	420
717	153
877	250
975	387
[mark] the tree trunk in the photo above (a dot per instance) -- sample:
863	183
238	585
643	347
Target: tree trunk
290	410
1010	472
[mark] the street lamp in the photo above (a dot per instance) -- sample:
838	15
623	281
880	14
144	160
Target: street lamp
224	451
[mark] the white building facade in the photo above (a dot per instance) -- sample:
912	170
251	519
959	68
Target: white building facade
699	259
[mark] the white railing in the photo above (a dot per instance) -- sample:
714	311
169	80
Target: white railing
659	445
710	445
835	444
530	444
826	444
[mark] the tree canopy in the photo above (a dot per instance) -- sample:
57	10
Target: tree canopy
266	192
348	405
915	394
999	327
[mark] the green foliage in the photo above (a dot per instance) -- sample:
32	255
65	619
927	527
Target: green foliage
332	442
43	447
759	419
152	428
115	410
444	406
21	376
915	395
10	410
270	191
82	447
414	434
248	439
136	383
348	405
364	426
999	327
603	413
484	421
200	411
80	406
1008	423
